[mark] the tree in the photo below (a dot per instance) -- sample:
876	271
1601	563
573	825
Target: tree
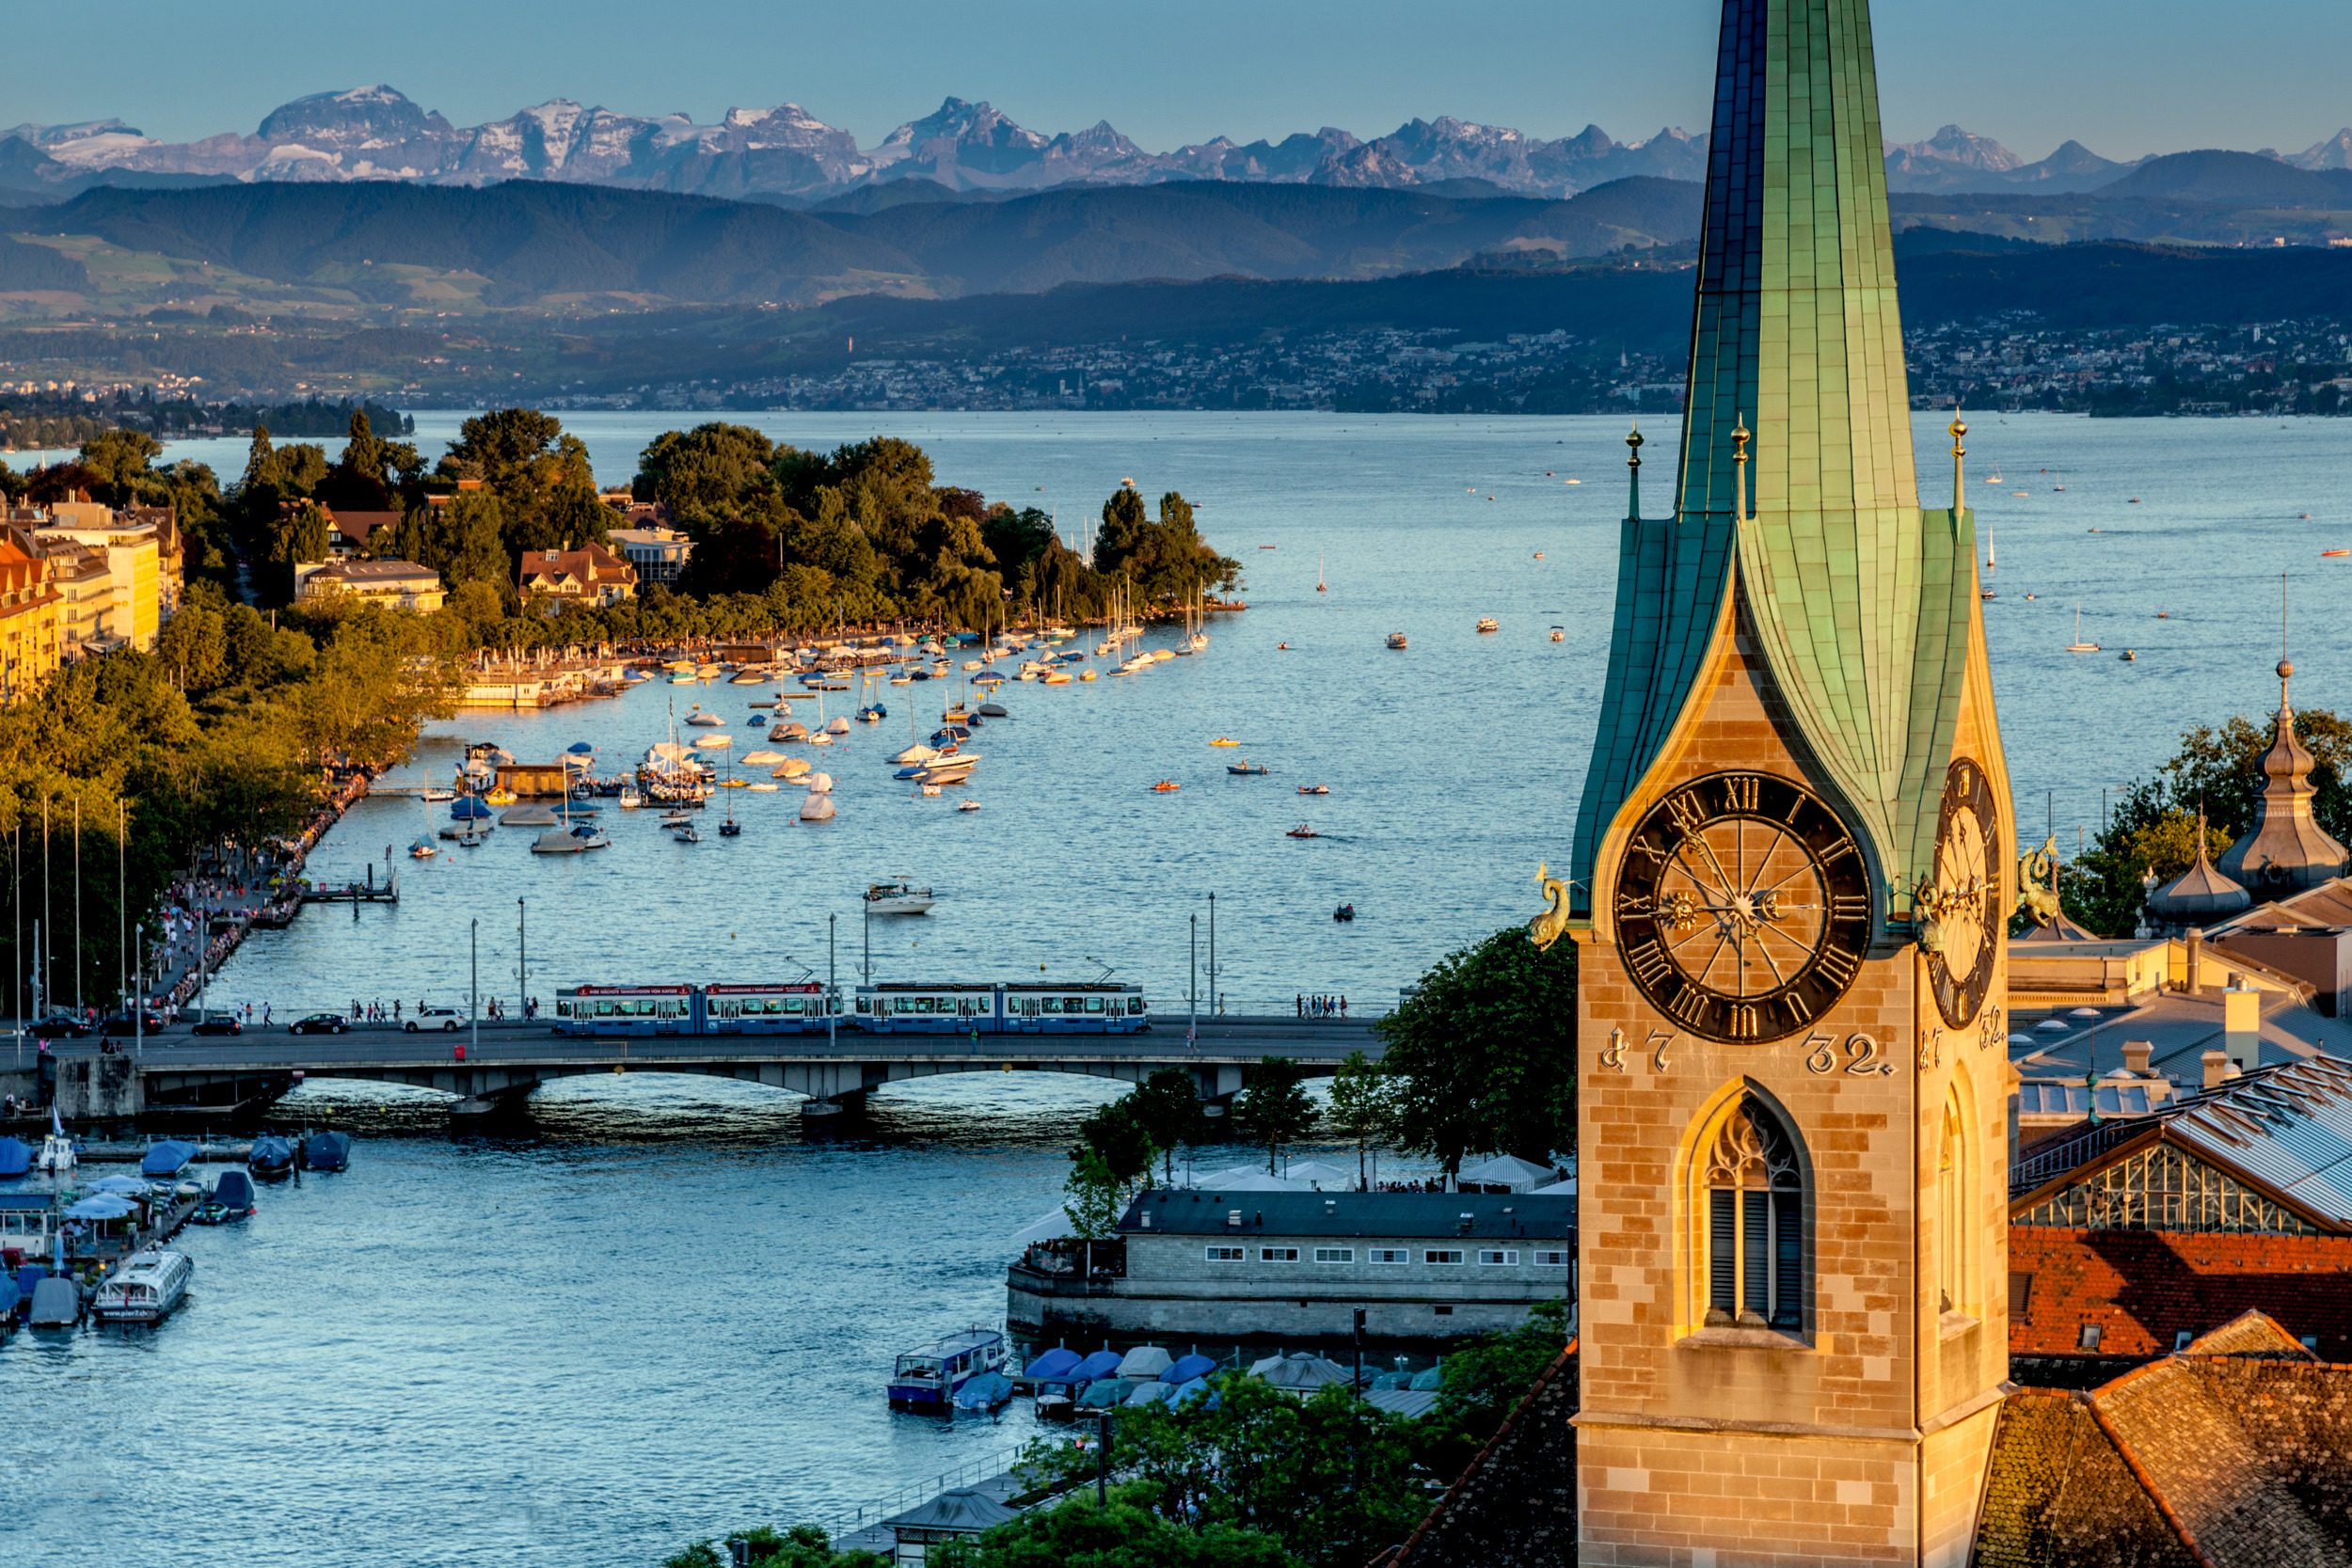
707	474
1130	1532
1485	1380
1167	1106
371	470
195	646
1360	1107
1272	1108
1093	1197
802	1546
465	543
1482	1055
1117	1137
120	459
1166	559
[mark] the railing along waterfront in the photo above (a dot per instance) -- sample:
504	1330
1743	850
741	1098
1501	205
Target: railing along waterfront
987	1467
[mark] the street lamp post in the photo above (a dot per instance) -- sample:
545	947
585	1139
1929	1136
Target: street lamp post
522	957
832	988
1216	1001
473	996
1192	1031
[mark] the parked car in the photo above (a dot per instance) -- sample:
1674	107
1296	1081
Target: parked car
444	1018
319	1023
220	1025
64	1024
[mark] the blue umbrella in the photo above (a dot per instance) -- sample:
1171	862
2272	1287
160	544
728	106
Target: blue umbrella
580	749
99	1206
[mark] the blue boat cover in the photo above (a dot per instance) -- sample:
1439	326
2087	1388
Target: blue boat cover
1054	1363
235	1188
20	1203
1150	1393
580	749
1428	1378
9	1295
1101	1364
984	1391
28	1275
1188	1368
468	807
16	1157
167	1157
1184	1393
329	1151
55	1304
270	1153
1107	1394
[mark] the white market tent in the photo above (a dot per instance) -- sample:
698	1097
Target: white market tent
1247	1178
1507	1171
1051	1226
1322	1177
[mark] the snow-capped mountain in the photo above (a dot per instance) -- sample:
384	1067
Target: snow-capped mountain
376	133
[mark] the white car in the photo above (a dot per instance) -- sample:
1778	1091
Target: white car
424	1017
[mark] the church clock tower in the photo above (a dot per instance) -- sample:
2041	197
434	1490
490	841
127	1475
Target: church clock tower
1791	877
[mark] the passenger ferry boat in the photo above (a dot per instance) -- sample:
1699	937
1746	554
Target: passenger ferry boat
145	1290
927	1379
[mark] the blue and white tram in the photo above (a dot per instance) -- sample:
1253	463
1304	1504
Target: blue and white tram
1041	1008
794	1009
897	1007
625	1010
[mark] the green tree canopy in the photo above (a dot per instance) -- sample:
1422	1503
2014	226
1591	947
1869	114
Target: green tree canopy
1272	1108
1165	560
1482	1055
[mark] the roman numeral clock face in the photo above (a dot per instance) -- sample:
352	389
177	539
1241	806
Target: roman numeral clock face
1742	906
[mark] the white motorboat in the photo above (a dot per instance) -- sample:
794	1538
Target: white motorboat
437	796
631	799
684	833
146	1287
898	897
575	841
967	805
57	1150
819	784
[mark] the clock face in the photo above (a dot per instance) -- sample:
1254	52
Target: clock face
1742	906
1965	901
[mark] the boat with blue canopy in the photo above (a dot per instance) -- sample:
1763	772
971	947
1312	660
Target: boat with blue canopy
167	1157
327	1152
16	1157
1054	1363
272	1158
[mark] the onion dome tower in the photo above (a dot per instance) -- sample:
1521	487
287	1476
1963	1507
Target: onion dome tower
2285	851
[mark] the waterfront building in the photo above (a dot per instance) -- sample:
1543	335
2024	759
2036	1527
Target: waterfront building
1234	1267
134	552
590	574
83	581
31	618
658	554
400	584
1793	872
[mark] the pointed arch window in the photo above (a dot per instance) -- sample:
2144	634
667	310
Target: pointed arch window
1754	1223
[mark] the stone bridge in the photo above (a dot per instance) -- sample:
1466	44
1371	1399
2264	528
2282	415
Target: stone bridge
243	1075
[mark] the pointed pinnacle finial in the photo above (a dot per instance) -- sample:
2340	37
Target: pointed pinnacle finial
1633	457
1740	455
1960	454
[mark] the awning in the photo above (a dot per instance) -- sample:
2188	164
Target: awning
101	1206
1508	1170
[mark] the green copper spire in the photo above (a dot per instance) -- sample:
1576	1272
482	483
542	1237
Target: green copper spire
1859	602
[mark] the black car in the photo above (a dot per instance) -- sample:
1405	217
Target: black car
319	1023
124	1024
64	1024
219	1026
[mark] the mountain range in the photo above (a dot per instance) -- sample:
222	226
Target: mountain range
786	153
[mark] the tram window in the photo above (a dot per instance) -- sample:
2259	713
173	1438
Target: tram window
1053	1004
792	1004
1073	1005
1094	1003
1134	1004
604	1009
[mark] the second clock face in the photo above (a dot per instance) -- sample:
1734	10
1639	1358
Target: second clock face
1742	906
1967	893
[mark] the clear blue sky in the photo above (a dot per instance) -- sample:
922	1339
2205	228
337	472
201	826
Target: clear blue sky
2124	78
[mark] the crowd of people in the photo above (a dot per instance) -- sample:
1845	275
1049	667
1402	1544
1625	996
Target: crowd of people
1322	1005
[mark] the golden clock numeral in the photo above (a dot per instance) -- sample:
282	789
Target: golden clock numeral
1837	852
1744	1024
1688	811
1962	776
1689	1004
1631	905
1740	793
1798	1008
1850	906
1648	851
1839	964
1649	962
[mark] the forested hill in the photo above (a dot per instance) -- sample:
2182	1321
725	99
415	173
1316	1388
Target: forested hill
521	242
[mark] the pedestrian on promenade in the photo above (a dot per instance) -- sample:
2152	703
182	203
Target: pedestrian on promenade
1343	1008
1302	1004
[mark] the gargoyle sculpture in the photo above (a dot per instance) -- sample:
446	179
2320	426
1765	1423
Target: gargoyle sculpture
1546	927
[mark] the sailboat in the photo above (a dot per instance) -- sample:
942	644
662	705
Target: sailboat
1990	562
1320	588
730	828
2078	645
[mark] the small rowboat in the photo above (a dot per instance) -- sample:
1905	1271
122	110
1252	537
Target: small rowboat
2325	554
1302	831
1245	766
1166	787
